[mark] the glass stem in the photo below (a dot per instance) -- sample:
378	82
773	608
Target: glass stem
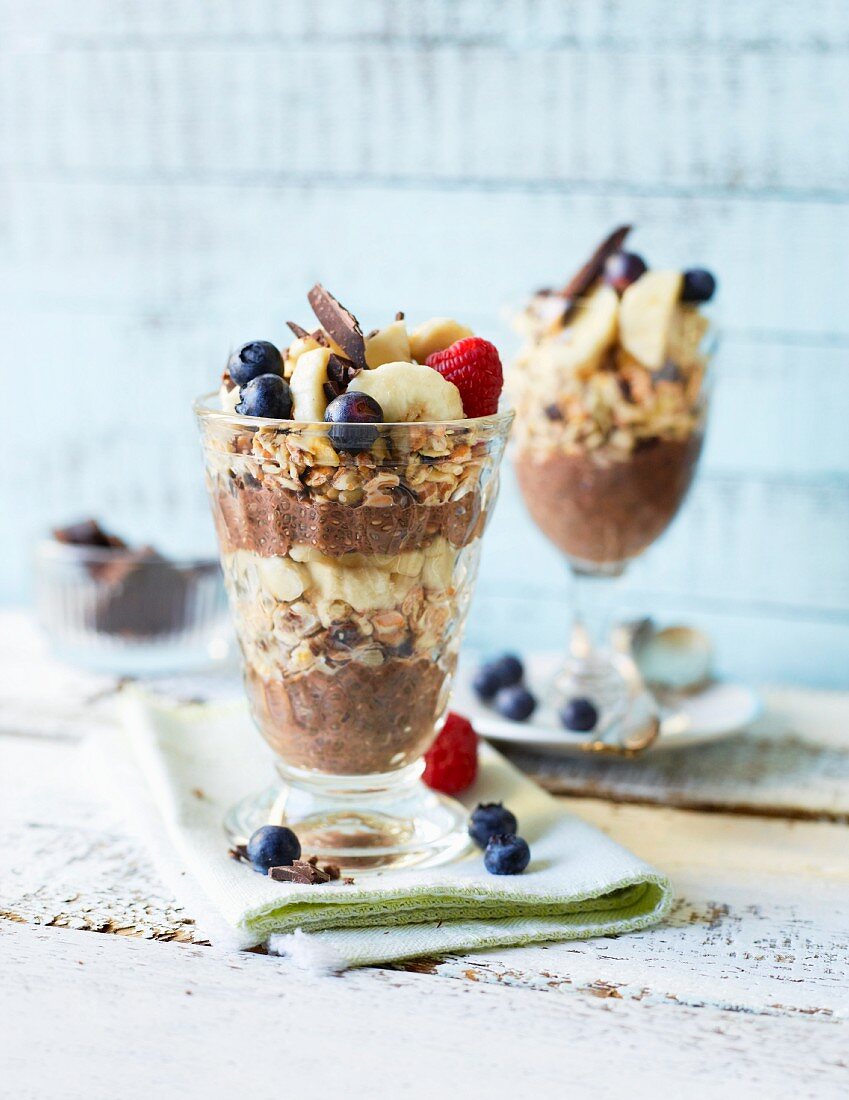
589	645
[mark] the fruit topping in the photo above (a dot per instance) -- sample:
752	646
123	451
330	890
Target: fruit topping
489	819
645	316
388	345
474	366
502	672
506	854
253	359
339	323
623	268
268	395
451	763
579	715
585	343
586	278
353	416
308	381
515	703
410	392
436	335
699	285
273	846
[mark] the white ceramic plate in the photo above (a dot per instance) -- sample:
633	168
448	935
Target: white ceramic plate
721	709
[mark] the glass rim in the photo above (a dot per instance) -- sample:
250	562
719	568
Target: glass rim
97	555
203	411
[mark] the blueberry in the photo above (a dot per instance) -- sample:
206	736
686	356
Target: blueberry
253	359
506	854
579	715
273	846
509	669
268	396
353	416
699	285
489	819
623	268
515	703
486	681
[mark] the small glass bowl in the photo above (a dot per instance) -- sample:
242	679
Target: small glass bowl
128	612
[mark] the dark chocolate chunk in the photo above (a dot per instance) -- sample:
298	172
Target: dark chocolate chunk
553	412
87	532
340	324
312	871
288	874
341	370
332	390
583	279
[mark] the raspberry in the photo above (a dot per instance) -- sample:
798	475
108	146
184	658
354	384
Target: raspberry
472	364
451	763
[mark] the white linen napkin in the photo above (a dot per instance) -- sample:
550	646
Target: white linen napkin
178	768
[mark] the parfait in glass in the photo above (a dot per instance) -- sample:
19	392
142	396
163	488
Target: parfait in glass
610	392
351	481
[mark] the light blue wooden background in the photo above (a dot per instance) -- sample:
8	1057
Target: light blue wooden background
175	174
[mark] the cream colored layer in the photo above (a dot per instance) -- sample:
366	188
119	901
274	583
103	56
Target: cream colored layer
367	583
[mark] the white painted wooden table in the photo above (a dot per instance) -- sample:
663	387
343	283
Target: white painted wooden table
744	990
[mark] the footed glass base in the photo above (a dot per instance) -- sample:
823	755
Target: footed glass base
628	718
360	822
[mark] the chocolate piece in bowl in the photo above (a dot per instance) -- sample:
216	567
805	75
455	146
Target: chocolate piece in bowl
124	609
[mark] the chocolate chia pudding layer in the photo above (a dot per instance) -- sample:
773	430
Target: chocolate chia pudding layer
354	721
268	521
607	510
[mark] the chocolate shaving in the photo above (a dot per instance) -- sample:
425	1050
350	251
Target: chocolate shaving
301	333
584	279
341	370
339	323
553	412
373	332
399	316
238	852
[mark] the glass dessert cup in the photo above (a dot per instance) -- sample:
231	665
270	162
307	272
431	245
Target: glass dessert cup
602	499
349	577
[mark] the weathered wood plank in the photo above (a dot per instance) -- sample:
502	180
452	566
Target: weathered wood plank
382	88
177	251
161	1012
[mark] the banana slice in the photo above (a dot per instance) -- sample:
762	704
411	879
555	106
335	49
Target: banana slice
228	399
307	385
645	316
686	334
436	335
592	332
410	392
388	345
